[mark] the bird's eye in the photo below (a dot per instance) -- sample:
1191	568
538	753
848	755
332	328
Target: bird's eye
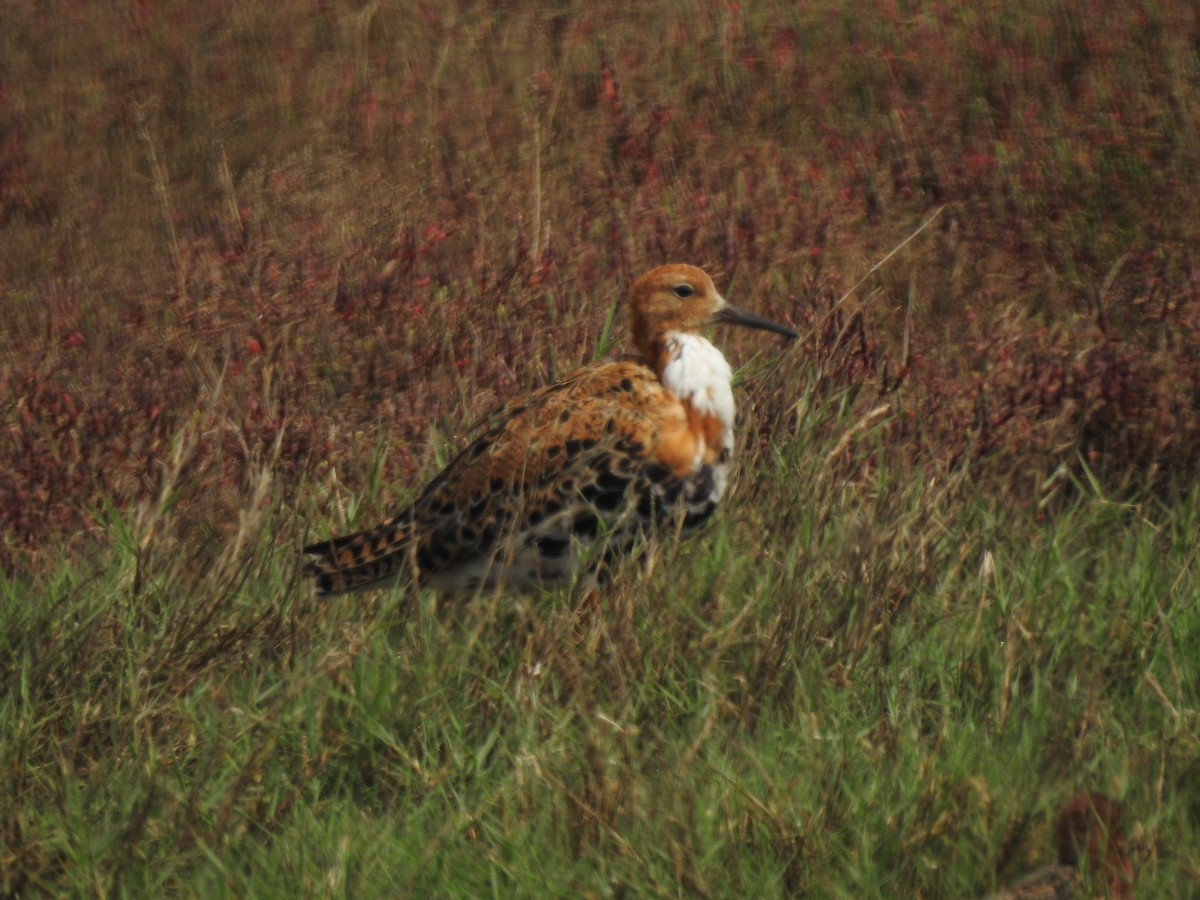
684	291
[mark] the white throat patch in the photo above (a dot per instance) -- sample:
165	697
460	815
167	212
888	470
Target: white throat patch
698	373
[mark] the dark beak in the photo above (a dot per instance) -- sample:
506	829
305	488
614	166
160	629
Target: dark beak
734	316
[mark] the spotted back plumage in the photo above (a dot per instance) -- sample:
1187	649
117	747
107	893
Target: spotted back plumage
614	450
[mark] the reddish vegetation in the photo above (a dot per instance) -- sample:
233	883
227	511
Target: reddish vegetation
288	232
1089	828
1091	842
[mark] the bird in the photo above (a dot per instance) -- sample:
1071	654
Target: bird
1088	834
572	475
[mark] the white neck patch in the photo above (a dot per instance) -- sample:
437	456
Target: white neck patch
698	373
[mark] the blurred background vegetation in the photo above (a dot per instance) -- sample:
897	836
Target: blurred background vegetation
343	208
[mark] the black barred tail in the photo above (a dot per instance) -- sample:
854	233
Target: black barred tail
359	561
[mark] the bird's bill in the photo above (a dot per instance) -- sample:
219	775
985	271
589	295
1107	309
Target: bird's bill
734	316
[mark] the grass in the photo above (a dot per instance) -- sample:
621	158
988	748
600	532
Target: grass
890	696
264	266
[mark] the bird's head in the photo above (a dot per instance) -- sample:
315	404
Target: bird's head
681	299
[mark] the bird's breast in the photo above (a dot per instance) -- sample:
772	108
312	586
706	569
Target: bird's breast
696	372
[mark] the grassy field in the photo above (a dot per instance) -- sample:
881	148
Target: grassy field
262	267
